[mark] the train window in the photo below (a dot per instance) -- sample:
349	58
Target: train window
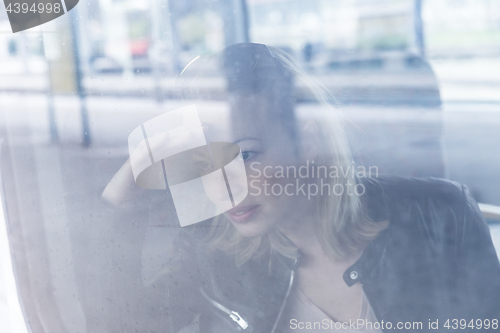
249	165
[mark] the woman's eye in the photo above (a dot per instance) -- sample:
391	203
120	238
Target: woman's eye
247	154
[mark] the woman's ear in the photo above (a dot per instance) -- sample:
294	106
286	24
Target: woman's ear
310	143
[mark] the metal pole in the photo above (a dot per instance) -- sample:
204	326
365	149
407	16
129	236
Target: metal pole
235	16
175	47
246	21
419	28
54	134
78	76
155	50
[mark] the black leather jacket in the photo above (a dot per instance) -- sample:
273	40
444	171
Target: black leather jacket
435	261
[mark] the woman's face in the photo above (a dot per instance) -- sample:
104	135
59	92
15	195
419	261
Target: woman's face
267	147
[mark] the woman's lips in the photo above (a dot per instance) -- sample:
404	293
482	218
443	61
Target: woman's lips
242	214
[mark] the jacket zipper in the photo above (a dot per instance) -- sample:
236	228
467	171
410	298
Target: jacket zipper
290	284
235	316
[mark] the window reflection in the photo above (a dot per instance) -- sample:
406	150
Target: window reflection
413	100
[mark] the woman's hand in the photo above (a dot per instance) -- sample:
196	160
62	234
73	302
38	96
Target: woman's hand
121	187
125	185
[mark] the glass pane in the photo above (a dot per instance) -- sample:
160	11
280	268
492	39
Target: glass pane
249	165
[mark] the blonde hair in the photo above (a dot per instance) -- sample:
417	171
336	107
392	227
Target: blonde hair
343	227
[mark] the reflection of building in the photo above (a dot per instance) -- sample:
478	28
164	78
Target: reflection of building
132	35
135	37
375	25
388	27
333	25
469	27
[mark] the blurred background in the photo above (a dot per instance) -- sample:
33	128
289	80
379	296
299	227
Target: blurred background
418	82
109	51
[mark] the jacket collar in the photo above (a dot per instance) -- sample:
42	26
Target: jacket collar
374	203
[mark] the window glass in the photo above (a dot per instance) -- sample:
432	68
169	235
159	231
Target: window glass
249	165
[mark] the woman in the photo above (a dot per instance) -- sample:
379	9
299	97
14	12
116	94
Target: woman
316	245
